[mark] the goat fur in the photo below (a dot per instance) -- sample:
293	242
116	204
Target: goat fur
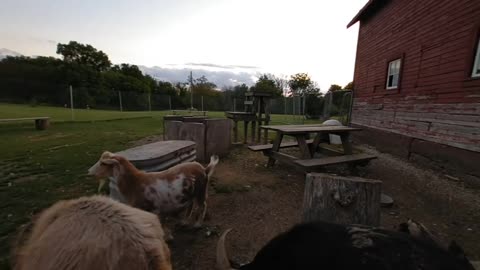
93	233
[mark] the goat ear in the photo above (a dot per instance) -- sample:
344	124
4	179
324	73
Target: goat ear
110	161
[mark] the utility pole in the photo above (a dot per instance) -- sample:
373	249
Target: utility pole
191	90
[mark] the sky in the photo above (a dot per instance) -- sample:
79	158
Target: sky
233	36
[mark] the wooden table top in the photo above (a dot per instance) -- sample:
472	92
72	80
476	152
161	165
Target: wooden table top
299	129
156	150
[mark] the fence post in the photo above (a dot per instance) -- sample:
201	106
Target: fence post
71	102
149	102
120	100
202	105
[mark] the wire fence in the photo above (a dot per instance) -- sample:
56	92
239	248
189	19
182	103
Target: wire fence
333	105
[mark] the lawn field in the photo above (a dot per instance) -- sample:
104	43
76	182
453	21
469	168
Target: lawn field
38	168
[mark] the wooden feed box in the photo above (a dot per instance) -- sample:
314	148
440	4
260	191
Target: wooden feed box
154	157
211	135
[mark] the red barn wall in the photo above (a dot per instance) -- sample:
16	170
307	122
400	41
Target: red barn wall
437	100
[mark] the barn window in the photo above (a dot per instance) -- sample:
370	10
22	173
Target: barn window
393	76
476	65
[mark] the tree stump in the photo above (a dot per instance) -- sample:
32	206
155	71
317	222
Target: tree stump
42	124
341	200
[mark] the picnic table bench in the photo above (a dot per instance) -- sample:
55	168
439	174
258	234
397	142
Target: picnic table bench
41	123
309	147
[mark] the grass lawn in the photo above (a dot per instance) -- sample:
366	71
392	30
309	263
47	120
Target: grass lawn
38	168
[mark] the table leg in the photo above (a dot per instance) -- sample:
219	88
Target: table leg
245	132
302	144
275	148
254	130
347	146
235	131
265	134
319	138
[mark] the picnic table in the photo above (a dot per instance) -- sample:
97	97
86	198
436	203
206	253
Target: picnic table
309	147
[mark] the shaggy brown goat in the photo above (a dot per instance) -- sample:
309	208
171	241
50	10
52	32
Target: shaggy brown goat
93	233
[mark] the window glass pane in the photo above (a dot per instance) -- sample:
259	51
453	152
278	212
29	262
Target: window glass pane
390	68
395	80
476	66
393	73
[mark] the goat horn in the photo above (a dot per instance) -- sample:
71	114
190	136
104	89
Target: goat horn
222	259
101	184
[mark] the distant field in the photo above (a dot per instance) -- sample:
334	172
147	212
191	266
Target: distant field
63	114
59	114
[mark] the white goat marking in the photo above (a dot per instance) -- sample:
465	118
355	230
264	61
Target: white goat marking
164	194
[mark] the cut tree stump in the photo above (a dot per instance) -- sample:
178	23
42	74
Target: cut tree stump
341	200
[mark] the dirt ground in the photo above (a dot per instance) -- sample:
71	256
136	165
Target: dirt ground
258	203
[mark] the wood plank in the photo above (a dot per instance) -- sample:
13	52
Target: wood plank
310	129
286	126
263	147
319	162
284	158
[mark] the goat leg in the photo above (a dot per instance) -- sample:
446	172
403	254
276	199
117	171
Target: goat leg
201	217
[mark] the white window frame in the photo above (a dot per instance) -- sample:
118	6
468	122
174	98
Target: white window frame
393	71
476	63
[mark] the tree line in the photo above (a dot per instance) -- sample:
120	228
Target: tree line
96	83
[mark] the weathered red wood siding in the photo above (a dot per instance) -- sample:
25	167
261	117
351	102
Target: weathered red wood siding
437	100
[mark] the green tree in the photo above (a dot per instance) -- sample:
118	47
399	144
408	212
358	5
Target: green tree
349	86
301	84
334	87
265	84
129	70
82	54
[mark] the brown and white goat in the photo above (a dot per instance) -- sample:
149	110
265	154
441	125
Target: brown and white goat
93	233
184	186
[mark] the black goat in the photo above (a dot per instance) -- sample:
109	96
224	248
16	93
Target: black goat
322	245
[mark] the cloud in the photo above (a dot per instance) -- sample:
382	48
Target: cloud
221	66
221	76
6	52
